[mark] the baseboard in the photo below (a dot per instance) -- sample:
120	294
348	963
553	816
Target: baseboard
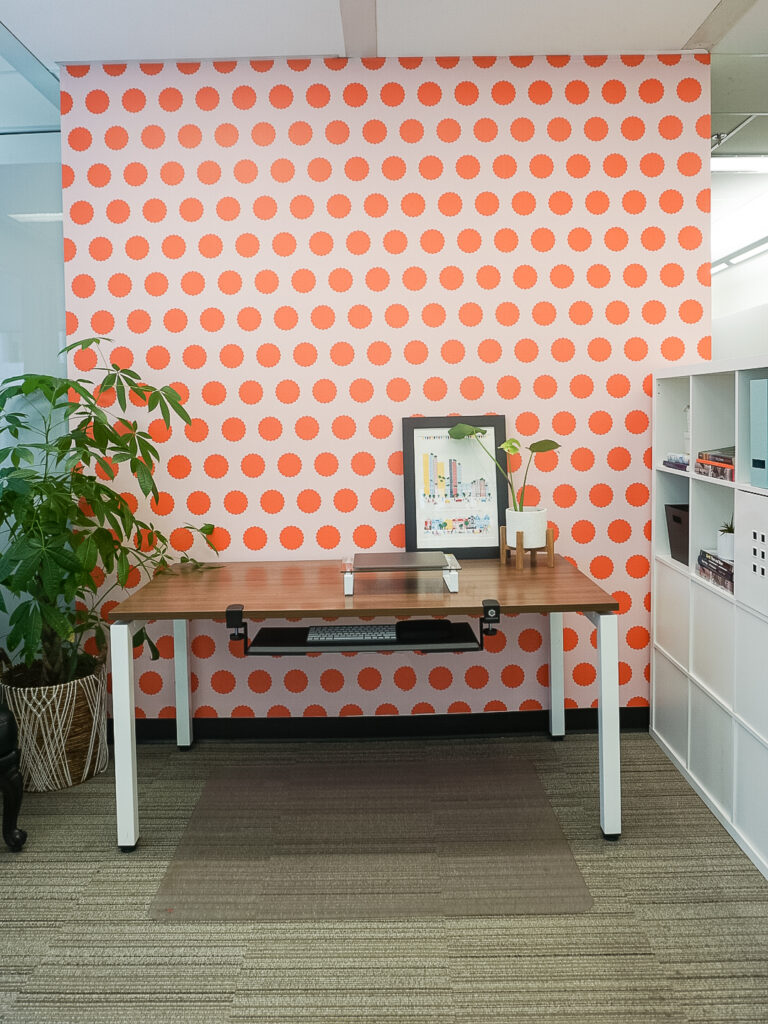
382	726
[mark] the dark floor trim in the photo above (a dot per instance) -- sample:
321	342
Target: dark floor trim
580	719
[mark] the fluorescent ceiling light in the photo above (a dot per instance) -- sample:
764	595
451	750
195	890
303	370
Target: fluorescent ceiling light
739	164
755	250
36	218
760	245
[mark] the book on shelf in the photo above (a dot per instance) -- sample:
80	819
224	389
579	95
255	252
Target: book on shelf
715	578
726	455
714	470
683	458
712	561
681	467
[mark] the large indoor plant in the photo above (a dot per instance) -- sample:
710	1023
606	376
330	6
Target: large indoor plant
532	523
70	536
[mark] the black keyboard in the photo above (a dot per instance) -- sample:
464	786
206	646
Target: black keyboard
352	634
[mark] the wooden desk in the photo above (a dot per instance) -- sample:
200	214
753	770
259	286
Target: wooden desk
308	589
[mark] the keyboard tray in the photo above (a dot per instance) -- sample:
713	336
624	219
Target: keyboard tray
293	640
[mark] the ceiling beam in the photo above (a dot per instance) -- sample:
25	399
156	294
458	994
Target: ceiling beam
358	19
28	66
718	24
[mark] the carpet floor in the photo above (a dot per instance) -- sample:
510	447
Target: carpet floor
677	932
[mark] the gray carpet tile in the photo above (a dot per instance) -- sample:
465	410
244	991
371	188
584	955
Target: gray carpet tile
677	933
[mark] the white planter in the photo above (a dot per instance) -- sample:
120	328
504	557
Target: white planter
533	523
725	546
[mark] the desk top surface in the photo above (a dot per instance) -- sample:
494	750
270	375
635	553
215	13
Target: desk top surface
303	589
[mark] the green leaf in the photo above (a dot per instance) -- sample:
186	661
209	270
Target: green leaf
120	392
174	400
82	344
543	446
123	568
109	471
27	629
29	566
50	576
144	478
57	620
154	653
89	554
461	430
511	446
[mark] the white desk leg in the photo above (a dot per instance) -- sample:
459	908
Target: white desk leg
608	723
124	722
182	683
556	676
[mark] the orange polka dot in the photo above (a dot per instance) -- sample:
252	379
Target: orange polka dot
601	567
291	537
614	91
672	275
618	385
448	130
583	531
600	422
596	128
561	276
523	203
619	459
638	566
505	240
508	387
435	389
672	348
526	350
579	239
580	312
584	674
616	239
582	459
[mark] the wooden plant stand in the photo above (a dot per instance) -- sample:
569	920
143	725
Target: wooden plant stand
505	550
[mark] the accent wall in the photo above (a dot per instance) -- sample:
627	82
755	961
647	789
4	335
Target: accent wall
311	250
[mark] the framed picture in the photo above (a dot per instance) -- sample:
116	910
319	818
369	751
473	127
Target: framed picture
455	499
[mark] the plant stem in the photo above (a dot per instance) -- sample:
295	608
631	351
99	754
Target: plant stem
507	476
525	478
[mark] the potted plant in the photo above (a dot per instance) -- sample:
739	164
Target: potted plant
531	522
725	539
70	538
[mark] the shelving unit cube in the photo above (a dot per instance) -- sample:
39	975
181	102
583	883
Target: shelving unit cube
709	671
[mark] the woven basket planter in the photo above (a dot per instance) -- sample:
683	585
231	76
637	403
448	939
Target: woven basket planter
62	731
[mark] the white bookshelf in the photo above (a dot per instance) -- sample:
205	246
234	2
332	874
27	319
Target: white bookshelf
709	658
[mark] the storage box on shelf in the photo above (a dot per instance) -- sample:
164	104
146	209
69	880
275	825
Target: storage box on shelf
709	680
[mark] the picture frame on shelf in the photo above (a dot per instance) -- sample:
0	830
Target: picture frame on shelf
455	500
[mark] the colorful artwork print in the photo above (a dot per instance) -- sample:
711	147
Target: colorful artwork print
454	500
455	495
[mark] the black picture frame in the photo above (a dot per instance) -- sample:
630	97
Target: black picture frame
472	537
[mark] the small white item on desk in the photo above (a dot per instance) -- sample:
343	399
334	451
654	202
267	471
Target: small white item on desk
451	574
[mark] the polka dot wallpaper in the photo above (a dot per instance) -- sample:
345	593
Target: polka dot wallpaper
310	250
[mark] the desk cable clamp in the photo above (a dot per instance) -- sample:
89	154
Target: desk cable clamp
233	617
489	619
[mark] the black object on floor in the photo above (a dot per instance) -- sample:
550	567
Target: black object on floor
11	784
